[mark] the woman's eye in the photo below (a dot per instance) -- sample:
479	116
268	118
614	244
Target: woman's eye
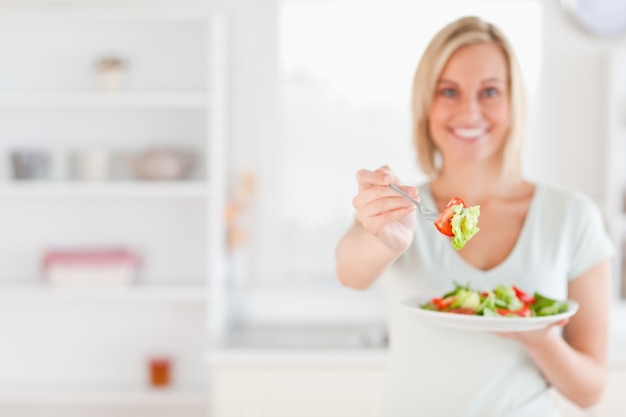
490	92
447	92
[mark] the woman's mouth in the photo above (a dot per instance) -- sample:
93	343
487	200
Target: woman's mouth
469	134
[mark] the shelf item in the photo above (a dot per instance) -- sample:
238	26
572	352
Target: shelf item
160	370
30	165
105	100
112	398
110	72
90	268
131	293
121	189
163	164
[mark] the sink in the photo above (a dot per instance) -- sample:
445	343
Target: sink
308	337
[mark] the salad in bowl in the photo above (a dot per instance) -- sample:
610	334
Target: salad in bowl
506	308
504	300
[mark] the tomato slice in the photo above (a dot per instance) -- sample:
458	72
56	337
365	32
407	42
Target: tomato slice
505	312
443	303
523	297
522	312
462	310
456	201
443	221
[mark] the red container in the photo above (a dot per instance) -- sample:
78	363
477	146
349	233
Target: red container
160	372
90	267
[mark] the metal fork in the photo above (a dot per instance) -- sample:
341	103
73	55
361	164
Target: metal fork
426	213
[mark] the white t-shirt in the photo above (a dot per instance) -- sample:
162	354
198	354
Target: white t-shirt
438	371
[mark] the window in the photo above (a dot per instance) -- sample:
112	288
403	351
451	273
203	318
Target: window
345	69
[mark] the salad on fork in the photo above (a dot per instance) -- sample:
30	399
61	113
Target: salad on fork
457	220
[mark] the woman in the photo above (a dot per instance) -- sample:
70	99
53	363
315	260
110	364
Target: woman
468	114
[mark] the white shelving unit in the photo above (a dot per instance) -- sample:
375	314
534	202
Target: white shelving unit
38	293
134	399
175	93
119	189
105	100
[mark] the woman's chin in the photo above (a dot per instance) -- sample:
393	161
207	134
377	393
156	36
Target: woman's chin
467	156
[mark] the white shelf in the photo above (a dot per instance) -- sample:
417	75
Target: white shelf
127	398
105	100
136	189
105	14
138	293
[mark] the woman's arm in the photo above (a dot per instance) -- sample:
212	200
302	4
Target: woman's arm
383	230
361	258
576	364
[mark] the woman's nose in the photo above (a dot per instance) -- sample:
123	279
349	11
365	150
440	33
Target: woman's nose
470	109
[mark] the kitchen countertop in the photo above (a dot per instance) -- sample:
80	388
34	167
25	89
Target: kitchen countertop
336	345
303	358
332	345
617	351
617	337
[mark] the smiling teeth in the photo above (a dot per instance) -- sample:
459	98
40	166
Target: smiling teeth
469	133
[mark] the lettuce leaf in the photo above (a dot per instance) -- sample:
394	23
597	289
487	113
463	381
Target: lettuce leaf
464	224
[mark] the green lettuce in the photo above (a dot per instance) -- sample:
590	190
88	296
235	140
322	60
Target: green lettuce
464	224
545	306
506	298
466	298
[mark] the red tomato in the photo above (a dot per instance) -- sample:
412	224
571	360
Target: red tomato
462	310
523	297
504	311
437	302
443	221
522	312
455	202
443	303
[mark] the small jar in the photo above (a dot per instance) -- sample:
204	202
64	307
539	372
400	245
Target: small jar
110	72
160	371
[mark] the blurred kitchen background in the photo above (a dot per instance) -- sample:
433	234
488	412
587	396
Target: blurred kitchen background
175	175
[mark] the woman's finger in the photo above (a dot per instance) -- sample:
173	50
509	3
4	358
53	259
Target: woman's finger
366	178
373	193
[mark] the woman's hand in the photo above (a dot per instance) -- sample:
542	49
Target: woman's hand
534	339
383	212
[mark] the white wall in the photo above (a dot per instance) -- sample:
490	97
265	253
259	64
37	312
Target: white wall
569	147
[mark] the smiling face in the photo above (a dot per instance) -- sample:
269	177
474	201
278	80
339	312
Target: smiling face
469	117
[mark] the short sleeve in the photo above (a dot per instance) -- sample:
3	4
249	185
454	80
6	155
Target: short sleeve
590	242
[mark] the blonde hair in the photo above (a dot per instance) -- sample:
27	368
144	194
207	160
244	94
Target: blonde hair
463	32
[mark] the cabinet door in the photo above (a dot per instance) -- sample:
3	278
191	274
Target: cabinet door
613	403
303	392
